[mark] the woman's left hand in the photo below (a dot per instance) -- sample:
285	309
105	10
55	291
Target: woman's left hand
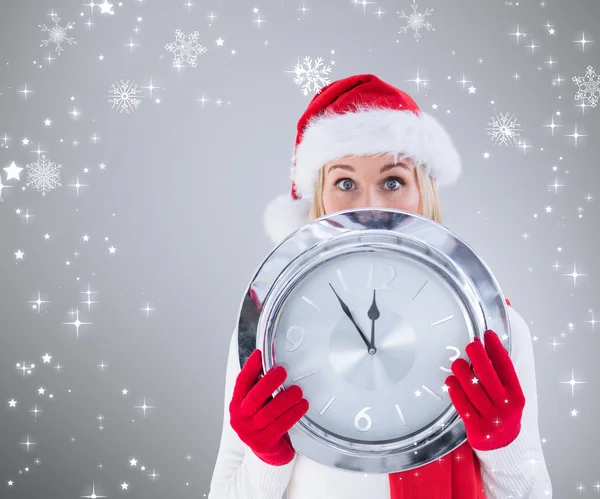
488	397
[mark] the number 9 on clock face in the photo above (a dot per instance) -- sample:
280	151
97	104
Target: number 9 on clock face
370	337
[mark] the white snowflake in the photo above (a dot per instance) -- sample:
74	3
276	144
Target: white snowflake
43	175
57	34
416	21
312	75
186	49
504	129
124	96
588	86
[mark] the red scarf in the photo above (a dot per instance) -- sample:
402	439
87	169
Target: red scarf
454	476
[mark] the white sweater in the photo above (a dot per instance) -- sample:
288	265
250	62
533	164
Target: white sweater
515	471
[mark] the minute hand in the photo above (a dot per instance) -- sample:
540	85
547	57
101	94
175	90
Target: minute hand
349	314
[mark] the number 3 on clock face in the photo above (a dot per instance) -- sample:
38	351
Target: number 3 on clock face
370	337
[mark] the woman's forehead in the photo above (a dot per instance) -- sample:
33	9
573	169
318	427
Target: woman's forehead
368	163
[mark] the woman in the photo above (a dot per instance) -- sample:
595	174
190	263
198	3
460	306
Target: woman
364	143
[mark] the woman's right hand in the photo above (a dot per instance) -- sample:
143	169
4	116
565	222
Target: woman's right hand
261	421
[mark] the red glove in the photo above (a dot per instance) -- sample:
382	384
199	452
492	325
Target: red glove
260	420
488	397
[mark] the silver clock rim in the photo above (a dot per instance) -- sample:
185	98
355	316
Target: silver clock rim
368	229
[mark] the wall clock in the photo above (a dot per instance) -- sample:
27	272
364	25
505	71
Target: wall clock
367	309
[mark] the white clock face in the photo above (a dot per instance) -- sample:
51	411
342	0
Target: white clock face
364	390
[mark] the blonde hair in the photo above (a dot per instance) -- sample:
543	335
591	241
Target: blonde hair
429	203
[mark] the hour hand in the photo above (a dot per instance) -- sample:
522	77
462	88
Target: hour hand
349	314
373	314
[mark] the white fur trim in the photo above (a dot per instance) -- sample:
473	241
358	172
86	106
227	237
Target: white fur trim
285	215
375	131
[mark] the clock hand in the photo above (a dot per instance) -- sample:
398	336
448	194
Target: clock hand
373	315
349	314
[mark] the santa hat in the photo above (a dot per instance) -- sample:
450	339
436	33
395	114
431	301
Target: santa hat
356	116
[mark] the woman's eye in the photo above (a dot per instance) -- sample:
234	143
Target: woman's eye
345	184
393	183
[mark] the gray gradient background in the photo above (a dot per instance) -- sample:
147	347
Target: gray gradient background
182	196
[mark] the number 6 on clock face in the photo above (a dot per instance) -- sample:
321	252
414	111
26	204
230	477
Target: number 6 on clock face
363	416
361	334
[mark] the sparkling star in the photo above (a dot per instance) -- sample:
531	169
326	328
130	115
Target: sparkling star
556	185
576	135
13	171
259	21
151	87
77	323
89	294
38	302
523	145
77	185
93	494
583	41
106	8
418	80
518	34
25	91
572	382
552	126
35	411
147	309
593	321
533	46
575	275
28	443
463	81
554	343
144	407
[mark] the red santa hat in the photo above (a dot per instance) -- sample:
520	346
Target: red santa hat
356	116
